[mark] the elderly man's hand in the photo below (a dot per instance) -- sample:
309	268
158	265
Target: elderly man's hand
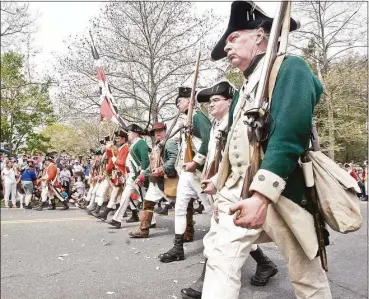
208	187
190	166
251	212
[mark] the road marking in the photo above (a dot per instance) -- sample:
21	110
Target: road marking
46	220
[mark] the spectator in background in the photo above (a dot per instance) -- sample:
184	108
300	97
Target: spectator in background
8	175
59	164
353	173
80	189
28	179
65	178
77	169
365	178
87	170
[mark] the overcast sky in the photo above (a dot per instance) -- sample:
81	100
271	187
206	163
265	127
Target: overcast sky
59	20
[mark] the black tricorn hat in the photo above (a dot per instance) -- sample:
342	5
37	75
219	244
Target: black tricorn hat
223	88
157	126
183	92
136	128
245	15
121	133
107	138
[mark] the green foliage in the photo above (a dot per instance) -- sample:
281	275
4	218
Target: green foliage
346	85
25	107
64	138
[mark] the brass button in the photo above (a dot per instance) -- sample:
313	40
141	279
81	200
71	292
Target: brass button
239	164
237	156
235	147
275	184
261	177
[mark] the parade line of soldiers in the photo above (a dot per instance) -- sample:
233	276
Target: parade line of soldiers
125	173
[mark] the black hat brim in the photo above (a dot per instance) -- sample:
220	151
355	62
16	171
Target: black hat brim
204	95
235	25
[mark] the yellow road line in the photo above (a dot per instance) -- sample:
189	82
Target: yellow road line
46	220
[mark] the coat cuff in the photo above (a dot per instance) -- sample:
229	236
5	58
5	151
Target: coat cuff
268	184
199	159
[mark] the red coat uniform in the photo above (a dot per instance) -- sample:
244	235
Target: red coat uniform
120	164
121	154
51	173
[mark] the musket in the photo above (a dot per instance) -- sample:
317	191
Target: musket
214	165
188	157
314	199
257	117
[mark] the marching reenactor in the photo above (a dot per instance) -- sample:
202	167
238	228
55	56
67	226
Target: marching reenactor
162	163
137	161
279	184
116	169
189	178
94	173
219	97
101	181
48	189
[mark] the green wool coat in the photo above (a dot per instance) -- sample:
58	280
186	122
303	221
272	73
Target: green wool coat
140	154
201	129
294	97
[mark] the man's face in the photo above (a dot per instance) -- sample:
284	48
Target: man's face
241	48
159	135
182	104
121	140
218	106
131	136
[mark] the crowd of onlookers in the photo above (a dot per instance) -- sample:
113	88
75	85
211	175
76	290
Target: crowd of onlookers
20	177
360	174
20	174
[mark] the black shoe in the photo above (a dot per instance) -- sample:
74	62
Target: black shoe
65	205
28	207
104	215
89	212
125	215
189	293
199	209
134	217
153	225
96	212
164	211
265	268
52	206
114	223
40	206
174	254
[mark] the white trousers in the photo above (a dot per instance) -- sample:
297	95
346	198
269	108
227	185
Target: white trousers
227	247
101	192
92	203
130	188
10	192
46	193
113	197
154	194
188	187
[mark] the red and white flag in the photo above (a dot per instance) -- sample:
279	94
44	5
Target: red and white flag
108	107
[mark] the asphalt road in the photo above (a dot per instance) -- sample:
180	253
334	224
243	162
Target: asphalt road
68	254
